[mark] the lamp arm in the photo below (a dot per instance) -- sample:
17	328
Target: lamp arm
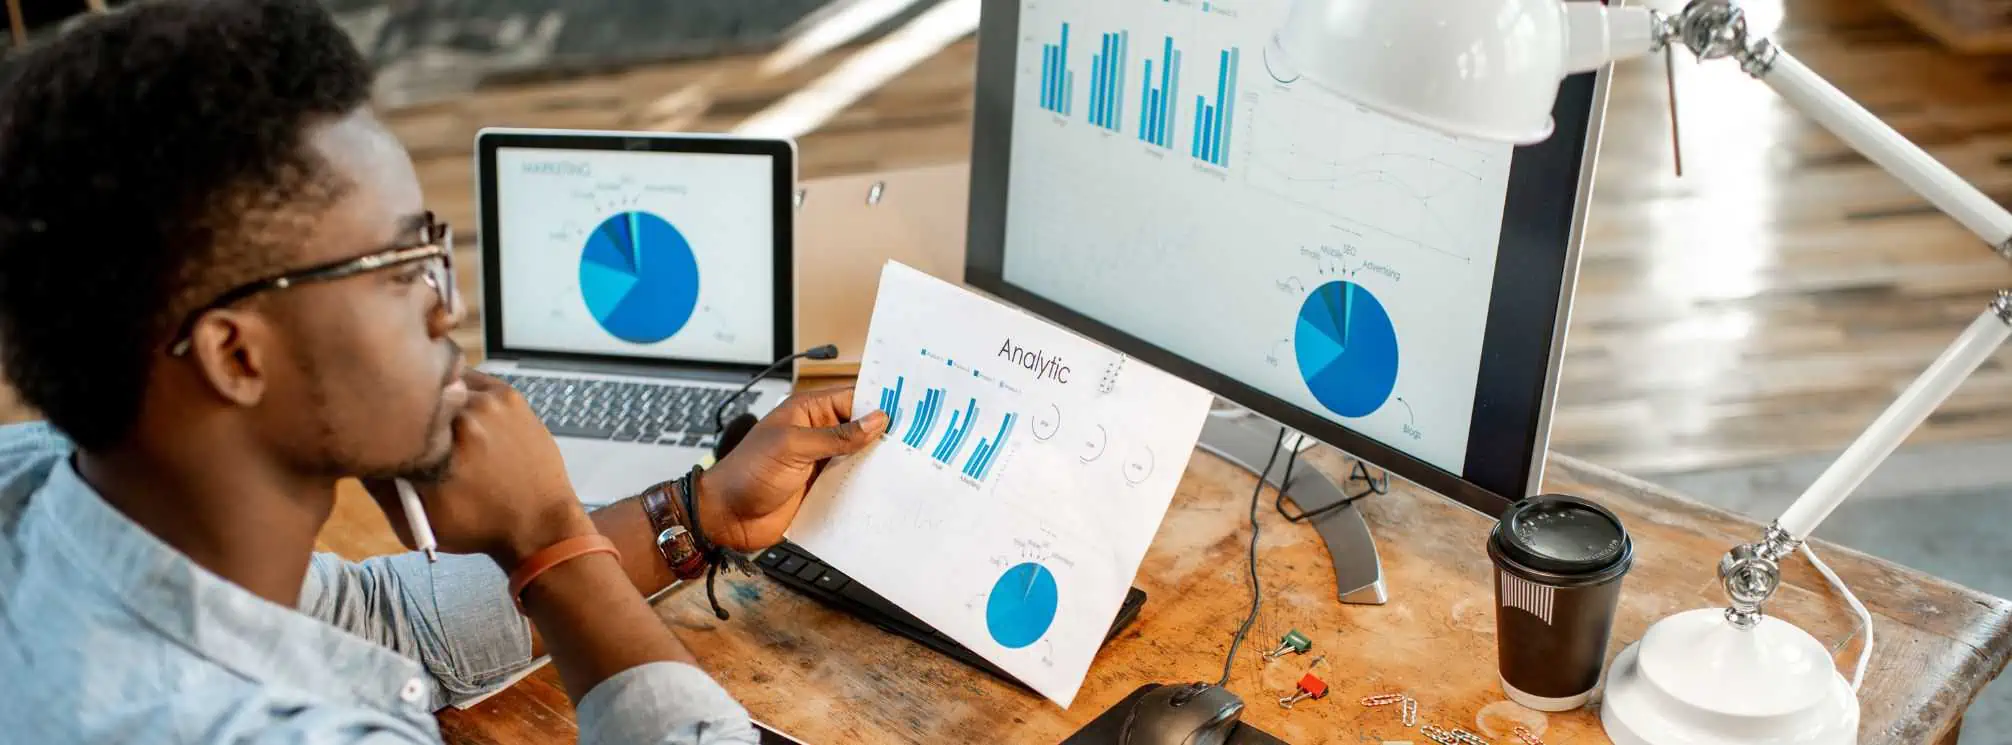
1751	572
1985	335
1717	28
1812	95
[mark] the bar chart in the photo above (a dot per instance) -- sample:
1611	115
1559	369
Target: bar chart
890	402
1107	81
1157	104
915	413
953	437
1211	140
980	463
926	413
1058	82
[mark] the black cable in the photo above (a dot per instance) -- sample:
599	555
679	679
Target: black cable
1361	472
1256	493
826	352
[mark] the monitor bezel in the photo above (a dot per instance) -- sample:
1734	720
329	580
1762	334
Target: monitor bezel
1490	486
782	154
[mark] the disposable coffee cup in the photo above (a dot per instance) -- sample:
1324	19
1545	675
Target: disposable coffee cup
1559	561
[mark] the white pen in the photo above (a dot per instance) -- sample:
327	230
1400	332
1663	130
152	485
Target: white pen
415	517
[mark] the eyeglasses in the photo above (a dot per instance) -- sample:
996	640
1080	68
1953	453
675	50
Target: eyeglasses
433	246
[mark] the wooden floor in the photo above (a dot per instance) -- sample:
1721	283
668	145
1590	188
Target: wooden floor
1770	302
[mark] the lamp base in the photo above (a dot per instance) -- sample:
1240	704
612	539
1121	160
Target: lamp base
1696	679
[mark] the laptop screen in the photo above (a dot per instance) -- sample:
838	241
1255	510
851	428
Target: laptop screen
652	255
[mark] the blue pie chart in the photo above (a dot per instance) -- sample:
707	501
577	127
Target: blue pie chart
639	277
1022	605
1346	348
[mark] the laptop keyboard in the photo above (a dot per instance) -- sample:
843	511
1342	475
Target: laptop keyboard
627	411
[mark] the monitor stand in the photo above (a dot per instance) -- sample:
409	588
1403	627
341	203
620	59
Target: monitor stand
1246	439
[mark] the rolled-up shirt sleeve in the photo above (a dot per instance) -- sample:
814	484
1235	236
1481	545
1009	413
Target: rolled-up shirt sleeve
455	617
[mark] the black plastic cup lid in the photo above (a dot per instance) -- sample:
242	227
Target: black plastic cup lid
1562	535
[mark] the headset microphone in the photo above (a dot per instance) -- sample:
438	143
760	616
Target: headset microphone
731	433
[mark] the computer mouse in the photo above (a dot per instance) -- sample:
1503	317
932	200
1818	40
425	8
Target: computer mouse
1183	714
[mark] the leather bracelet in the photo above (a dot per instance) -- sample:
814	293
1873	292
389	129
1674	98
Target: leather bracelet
688	500
544	559
675	542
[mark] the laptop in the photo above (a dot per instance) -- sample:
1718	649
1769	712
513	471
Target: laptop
631	283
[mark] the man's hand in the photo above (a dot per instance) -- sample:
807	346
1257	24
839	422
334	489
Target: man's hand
748	499
505	493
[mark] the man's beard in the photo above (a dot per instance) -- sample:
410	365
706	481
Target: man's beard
428	468
427	473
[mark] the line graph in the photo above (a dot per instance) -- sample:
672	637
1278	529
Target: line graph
1386	181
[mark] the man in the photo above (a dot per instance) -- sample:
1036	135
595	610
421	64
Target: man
219	282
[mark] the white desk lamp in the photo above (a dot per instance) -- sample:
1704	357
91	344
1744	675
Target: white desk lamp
1490	69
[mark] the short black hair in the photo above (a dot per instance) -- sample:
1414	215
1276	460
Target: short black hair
136	152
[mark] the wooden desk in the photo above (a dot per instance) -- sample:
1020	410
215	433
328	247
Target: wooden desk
827	678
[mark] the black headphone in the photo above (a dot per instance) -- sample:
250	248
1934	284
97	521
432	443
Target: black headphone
731	433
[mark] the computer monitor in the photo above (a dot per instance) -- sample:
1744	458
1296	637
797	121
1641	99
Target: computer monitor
1144	174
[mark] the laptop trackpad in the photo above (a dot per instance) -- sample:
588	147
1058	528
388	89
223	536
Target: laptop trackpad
604	472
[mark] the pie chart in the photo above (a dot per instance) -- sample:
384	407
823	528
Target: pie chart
1346	348
638	277
1022	605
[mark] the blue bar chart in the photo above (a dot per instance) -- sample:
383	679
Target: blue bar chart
1211	137
890	402
1157	104
926	411
1107	81
981	459
925	417
1058	82
953	436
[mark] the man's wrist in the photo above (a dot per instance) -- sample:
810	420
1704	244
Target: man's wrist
715	517
560	524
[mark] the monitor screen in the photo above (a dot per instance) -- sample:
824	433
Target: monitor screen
1147	173
654	255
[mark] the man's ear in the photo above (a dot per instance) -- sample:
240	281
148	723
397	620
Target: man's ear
232	350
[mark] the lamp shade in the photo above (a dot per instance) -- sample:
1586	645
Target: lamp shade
1487	69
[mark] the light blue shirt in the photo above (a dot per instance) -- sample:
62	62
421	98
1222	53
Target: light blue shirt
108	635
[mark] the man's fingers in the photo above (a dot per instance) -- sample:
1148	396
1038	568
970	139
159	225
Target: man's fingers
829	405
825	442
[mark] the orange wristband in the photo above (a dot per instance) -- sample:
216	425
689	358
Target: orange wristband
554	555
